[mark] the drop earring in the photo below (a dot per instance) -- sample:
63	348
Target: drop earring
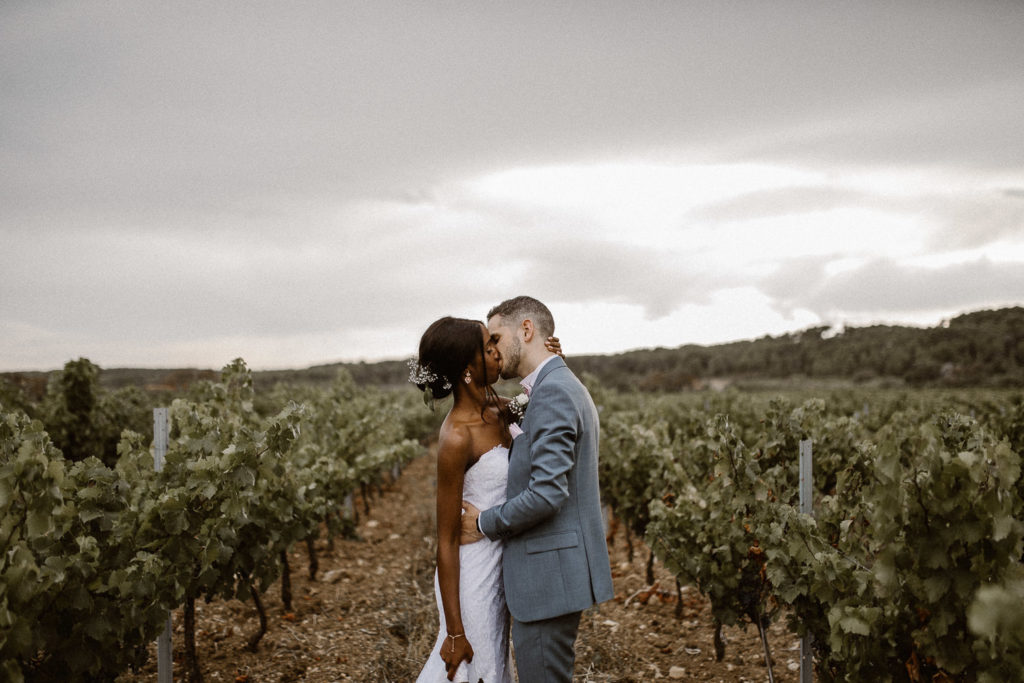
469	378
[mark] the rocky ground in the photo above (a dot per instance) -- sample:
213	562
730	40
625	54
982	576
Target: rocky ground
370	615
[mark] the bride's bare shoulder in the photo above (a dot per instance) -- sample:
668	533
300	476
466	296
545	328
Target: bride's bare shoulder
454	441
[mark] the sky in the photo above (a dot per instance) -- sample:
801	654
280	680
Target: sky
304	183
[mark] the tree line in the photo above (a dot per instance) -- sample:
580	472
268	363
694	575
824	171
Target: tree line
982	349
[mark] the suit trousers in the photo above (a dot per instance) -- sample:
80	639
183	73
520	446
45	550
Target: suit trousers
546	650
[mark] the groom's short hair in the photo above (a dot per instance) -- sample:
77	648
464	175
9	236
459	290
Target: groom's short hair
516	310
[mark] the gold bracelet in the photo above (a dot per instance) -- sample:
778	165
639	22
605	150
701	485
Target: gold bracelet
457	635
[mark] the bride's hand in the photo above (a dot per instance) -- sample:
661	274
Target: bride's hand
554	346
453	652
470	534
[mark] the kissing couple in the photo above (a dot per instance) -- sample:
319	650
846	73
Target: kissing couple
520	540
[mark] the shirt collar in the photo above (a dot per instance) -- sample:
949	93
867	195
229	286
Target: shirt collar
531	379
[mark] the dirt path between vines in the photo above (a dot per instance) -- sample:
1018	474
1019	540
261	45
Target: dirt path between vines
370	615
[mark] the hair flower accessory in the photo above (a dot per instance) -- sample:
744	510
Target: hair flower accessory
517	405
423	376
419	374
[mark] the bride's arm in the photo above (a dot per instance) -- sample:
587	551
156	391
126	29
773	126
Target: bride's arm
452	458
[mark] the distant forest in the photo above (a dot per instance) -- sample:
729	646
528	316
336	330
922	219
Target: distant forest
983	348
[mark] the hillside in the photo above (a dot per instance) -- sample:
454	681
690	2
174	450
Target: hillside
982	348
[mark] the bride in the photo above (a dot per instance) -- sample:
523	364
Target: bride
456	356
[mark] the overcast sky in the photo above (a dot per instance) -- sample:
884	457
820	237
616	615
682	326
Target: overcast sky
300	183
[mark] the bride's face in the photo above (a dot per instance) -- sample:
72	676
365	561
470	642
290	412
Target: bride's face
492	359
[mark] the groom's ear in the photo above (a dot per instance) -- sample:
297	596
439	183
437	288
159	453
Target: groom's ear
528	330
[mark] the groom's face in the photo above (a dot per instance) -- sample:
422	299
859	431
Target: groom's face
509	346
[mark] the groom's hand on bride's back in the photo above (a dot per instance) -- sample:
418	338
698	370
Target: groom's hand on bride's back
470	531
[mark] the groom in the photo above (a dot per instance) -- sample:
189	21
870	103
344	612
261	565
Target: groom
555	558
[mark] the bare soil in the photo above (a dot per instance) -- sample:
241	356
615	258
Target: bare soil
370	614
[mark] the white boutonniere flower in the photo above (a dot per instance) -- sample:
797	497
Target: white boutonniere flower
518	405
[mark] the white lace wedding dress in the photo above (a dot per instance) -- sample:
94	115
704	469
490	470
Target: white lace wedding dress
481	591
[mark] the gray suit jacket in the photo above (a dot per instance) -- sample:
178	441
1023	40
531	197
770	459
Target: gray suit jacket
556	558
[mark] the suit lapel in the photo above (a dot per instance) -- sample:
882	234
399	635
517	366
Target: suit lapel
555	362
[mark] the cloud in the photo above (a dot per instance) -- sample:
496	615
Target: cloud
884	287
780	202
285	180
929	125
957	210
658	281
976	219
794	280
160	112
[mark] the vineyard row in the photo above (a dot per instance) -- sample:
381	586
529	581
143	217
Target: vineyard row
910	567
93	557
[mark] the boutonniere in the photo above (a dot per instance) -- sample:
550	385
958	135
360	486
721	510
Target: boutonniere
517	405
